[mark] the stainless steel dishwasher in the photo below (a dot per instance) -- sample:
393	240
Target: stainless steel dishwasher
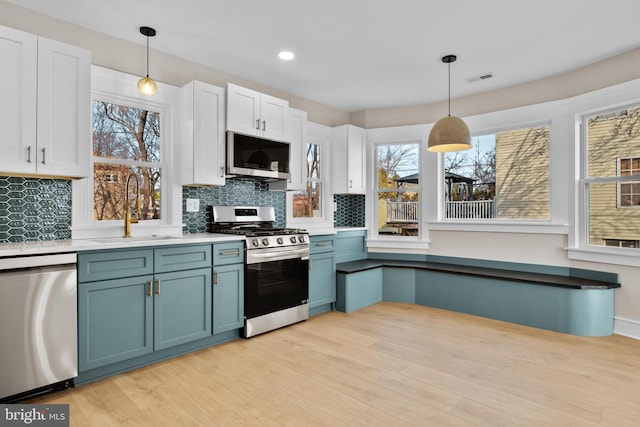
38	325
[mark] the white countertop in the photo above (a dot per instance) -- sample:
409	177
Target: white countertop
93	244
79	245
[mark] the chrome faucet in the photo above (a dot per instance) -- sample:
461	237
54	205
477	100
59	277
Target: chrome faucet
128	220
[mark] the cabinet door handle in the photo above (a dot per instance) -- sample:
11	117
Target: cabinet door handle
221	171
264	125
216	278
236	252
149	288
323	244
350	183
258	124
158	287
44	155
29	154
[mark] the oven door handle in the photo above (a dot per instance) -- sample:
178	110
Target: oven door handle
255	258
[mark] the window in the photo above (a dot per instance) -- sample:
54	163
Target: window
398	189
629	192
309	203
504	176
611	178
126	158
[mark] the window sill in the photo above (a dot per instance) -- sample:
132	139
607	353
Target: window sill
501	227
628	257
401	245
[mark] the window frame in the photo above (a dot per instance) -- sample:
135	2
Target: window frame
553	113
320	135
121	88
613	98
398	135
377	190
604	253
507	221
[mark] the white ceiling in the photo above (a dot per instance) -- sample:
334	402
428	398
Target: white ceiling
361	54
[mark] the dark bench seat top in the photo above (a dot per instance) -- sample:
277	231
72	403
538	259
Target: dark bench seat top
491	273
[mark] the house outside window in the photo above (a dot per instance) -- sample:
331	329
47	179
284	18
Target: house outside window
611	177
398	189
505	176
629	192
126	149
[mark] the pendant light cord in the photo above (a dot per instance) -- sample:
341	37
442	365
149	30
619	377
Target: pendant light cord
449	83
148	65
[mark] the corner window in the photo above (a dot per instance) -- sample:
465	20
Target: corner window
398	190
611	178
126	162
505	176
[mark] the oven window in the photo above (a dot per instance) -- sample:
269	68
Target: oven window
276	285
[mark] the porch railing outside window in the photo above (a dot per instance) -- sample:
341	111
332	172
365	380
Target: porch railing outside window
475	209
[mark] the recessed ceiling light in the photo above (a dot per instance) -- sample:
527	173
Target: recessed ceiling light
285	55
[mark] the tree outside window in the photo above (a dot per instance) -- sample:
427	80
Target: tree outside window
308	204
398	189
126	141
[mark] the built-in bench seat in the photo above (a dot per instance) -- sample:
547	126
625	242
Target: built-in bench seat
574	301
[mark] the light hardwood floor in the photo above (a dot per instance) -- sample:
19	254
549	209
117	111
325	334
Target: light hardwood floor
386	365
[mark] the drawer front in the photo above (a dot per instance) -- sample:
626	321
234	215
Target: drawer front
228	253
176	258
105	265
321	244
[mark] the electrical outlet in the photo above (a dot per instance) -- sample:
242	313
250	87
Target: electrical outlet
193	205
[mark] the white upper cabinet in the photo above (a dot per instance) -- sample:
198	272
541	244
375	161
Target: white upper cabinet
348	150
253	113
202	142
45	108
297	151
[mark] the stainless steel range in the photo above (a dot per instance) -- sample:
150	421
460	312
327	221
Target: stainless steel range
276	291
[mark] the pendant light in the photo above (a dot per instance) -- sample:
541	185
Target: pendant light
146	85
449	133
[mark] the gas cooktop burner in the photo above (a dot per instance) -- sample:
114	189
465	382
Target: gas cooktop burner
259	231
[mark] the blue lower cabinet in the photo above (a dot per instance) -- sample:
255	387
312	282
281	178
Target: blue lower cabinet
228	297
322	282
182	307
115	321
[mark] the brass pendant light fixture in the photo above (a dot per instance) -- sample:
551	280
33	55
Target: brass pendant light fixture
146	85
449	133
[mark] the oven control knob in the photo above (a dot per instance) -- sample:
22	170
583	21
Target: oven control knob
279	240
255	242
293	239
265	241
300	239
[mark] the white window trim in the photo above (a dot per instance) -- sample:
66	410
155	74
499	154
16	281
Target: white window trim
397	135
610	98
117	87
321	135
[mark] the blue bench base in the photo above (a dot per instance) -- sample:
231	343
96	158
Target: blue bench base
574	306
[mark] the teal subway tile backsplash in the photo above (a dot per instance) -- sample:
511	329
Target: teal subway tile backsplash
34	209
235	192
349	210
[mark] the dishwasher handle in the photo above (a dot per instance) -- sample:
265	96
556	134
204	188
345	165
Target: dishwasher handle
12	263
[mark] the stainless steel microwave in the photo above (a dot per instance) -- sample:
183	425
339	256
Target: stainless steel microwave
253	156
